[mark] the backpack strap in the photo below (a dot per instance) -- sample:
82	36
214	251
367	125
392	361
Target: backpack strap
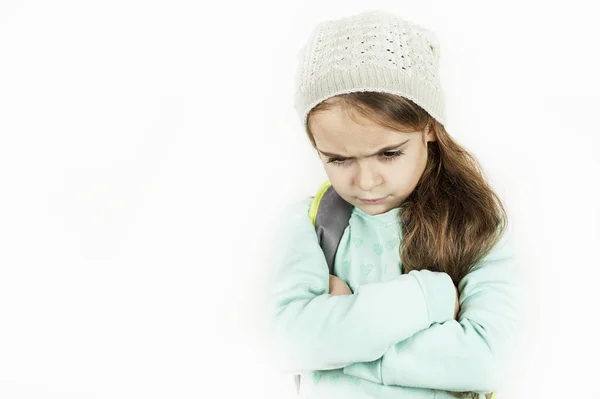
330	215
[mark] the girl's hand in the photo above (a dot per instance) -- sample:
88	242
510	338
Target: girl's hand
337	286
456	305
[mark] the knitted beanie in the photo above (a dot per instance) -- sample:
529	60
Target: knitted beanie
372	51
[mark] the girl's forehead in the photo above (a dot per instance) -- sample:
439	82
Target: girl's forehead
340	118
359	138
336	127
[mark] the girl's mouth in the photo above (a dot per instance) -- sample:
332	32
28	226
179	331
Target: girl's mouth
372	201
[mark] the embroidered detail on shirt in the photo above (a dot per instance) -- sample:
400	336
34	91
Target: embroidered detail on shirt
316	375
365	269
357	242
355	380
377	248
390	245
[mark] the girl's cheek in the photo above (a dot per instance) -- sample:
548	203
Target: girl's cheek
339	181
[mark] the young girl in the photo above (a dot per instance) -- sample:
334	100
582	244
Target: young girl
427	234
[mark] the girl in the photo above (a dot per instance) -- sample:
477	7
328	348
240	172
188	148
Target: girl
427	233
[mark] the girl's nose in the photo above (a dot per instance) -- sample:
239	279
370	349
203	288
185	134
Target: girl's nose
367	178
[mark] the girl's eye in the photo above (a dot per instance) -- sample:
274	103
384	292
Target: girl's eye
387	156
337	161
391	155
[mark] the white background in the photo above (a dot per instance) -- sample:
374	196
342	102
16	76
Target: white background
147	146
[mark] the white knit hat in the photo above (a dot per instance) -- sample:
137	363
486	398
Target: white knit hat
371	51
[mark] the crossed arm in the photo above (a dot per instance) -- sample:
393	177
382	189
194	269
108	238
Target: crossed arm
310	329
421	345
466	354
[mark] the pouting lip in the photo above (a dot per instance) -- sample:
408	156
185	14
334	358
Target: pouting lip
373	199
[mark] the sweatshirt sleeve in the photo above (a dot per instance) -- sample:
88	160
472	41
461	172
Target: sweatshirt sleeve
308	329
466	355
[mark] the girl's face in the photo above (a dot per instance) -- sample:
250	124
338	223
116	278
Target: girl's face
365	161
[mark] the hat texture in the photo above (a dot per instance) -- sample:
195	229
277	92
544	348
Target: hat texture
372	51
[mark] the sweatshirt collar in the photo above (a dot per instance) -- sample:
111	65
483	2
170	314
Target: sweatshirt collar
388	218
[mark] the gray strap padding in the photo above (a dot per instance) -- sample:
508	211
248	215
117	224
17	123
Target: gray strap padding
333	216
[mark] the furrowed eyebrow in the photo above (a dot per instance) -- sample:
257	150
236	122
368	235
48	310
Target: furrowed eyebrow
385	149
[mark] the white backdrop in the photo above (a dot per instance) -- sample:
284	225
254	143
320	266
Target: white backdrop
146	148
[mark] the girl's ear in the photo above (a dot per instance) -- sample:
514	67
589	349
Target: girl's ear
429	134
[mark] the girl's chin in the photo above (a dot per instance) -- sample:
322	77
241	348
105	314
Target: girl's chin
374	209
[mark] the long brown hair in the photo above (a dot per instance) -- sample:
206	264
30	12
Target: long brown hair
453	218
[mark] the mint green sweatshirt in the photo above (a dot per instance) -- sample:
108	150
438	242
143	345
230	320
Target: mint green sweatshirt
395	336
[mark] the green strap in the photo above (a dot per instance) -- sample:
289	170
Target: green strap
314	206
